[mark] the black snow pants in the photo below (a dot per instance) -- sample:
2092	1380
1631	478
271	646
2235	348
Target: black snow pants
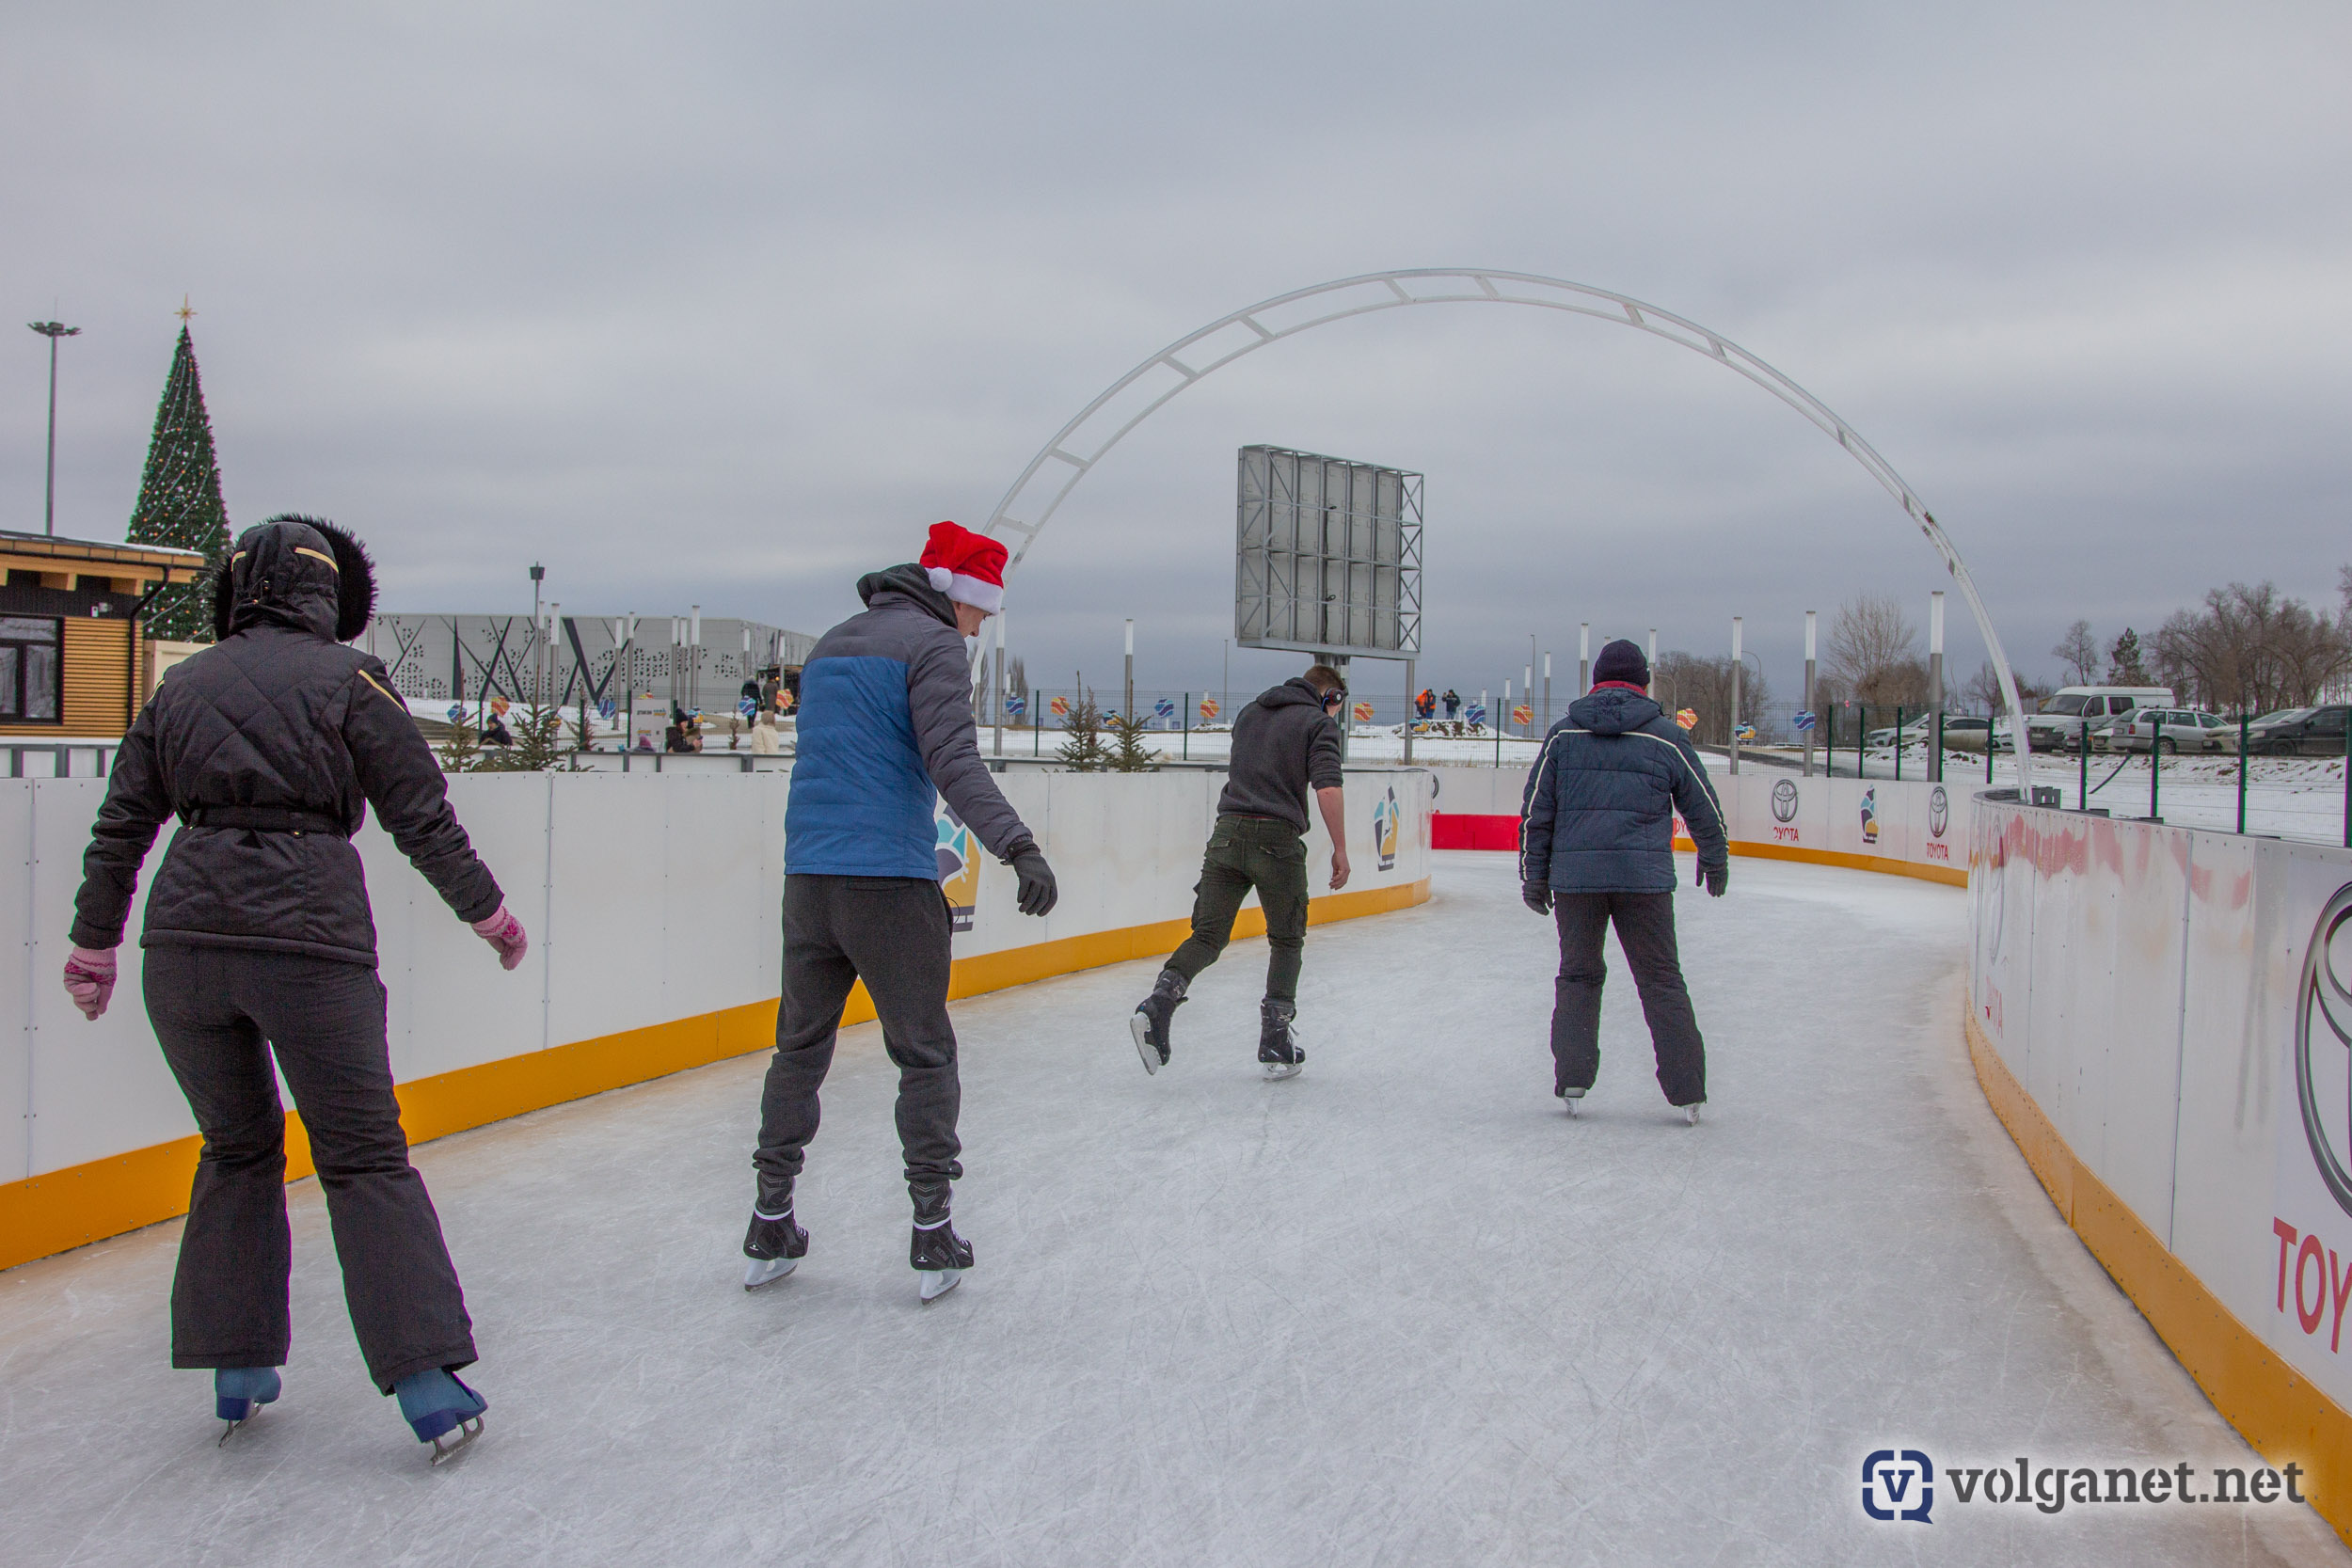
892	933
1646	931
1246	852
221	1014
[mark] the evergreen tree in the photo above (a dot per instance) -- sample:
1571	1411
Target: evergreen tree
2124	666
461	752
179	498
1128	751
1083	751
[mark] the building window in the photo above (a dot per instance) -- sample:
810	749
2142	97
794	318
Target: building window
32	677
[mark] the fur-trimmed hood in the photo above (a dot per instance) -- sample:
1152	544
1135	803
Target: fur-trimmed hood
295	571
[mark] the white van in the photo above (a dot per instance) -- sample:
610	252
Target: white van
2070	709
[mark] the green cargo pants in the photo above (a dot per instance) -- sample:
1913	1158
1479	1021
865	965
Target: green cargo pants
1245	852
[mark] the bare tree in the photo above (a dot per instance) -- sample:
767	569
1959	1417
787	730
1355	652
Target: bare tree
1873	650
2078	650
2251	649
1983	690
1684	680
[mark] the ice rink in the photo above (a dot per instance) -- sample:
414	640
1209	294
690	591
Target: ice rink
1399	1311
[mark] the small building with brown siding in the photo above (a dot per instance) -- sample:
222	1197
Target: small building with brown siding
72	664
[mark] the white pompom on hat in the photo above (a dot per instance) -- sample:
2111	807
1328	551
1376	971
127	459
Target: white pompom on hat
968	567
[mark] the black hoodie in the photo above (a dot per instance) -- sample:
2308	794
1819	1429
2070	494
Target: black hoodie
277	716
1285	744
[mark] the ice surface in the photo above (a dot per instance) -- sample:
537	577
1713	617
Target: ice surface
1397	1311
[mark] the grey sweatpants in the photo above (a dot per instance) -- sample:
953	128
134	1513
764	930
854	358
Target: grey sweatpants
892	933
221	1013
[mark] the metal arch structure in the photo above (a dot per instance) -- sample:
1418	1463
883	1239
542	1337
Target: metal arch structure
1079	445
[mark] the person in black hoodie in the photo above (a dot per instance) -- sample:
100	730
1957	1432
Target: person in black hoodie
1285	744
1597	849
269	746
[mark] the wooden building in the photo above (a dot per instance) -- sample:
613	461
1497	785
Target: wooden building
72	664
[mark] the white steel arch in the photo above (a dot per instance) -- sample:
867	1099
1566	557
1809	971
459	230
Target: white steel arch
1082	443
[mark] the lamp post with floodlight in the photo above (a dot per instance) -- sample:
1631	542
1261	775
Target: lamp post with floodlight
53	331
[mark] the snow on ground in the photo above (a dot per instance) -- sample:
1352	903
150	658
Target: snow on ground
1398	1311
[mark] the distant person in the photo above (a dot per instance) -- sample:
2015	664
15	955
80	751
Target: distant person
269	746
1597	849
765	741
771	687
886	729
673	738
747	700
1425	705
494	733
1452	704
1285	746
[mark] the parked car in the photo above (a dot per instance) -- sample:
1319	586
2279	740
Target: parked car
2173	729
2095	733
1963	733
2067	711
2304	731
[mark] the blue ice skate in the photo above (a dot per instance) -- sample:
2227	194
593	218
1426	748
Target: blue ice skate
434	1404
239	1393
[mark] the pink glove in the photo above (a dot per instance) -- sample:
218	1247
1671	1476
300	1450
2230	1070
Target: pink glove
89	979
505	933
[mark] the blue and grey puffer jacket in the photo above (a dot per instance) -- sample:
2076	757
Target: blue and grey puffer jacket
886	715
1601	802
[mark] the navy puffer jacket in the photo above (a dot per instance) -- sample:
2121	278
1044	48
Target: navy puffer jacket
1601	802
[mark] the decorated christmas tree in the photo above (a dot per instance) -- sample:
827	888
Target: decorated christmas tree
180	498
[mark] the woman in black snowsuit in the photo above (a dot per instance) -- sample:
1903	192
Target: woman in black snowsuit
269	746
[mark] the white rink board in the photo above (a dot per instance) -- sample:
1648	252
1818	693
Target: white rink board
2142	982
648	897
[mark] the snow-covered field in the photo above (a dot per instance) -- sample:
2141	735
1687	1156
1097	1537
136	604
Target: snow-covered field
1396	1310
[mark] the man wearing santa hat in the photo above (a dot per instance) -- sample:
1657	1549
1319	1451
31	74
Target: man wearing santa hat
885	720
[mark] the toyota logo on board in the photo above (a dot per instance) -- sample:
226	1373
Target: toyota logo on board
2322	1003
1939	811
1784	801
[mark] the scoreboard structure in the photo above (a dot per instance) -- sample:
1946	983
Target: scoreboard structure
1327	556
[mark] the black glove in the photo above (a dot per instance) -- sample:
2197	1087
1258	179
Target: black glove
1538	896
1714	879
1038	891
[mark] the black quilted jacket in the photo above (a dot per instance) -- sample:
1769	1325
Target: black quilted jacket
277	714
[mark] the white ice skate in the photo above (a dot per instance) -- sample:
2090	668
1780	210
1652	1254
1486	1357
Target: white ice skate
938	1282
766	1271
1571	1099
1692	1114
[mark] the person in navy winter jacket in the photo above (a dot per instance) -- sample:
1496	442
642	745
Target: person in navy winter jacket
885	720
1597	849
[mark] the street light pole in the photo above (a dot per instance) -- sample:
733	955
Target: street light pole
1130	708
53	331
1810	624
1738	668
538	637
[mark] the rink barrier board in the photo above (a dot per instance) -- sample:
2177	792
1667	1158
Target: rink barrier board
1896	827
73	1207
2278	1412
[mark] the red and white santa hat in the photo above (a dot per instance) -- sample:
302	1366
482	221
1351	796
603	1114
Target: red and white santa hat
968	567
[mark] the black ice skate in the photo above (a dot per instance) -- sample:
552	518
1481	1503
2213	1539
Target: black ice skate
1277	1039
937	1253
1150	1022
774	1244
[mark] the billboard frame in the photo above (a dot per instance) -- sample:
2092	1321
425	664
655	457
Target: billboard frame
1365	556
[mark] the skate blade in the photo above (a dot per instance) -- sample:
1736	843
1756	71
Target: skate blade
1691	1114
446	1447
1571	1105
767	1271
1138	1026
229	1430
938	1282
1280	1070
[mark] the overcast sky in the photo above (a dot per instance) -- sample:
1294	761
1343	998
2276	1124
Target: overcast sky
726	303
